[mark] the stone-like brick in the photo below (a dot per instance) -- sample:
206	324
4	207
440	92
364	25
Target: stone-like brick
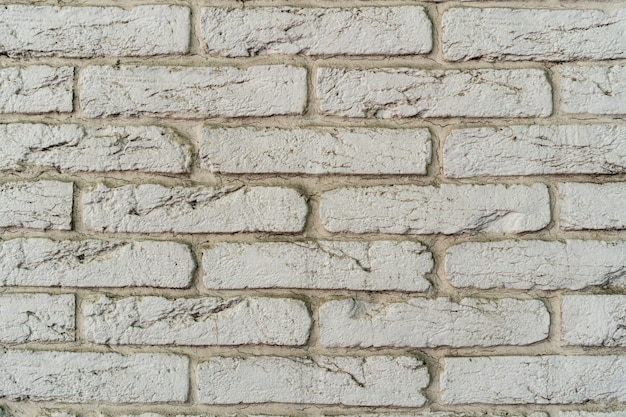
593	89
93	31
201	321
594	320
533	34
36	318
36	89
446	209
408	92
92	263
421	322
535	150
362	381
254	31
189	92
533	379
74	148
316	150
592	206
369	266
36	205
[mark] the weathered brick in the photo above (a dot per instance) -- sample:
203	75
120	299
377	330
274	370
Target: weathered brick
316	150
592	206
36	89
189	92
36	318
75	148
93	31
535	150
594	320
39	262
408	92
370	266
446	209
533	34
233	32
363	381
36	205
533	379
593	89
200	321
421	322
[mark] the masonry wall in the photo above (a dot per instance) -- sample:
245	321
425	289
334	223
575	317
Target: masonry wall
313	208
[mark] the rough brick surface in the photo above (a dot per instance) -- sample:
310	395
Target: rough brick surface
592	206
374	380
36	318
74	148
36	205
421	322
93	31
316	151
201	321
593	89
533	380
535	264
594	320
403	30
39	262
187	92
535	150
447	209
407	92
36	89
497	34
373	266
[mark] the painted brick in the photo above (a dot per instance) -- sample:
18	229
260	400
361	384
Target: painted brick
592	206
594	320
593	89
36	89
36	205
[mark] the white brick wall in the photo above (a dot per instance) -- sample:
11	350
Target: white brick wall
313	209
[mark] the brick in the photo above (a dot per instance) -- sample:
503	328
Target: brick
82	32
369	266
43	262
75	148
533	380
239	32
536	264
36	205
498	34
36	318
361	381
447	209
77	377
421	322
593	89
594	320
152	208
408	92
36	89
535	150
316	150
592	206
591	414
196	321
189	92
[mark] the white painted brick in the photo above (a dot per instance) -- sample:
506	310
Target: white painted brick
591	414
421	322
316	150
36	89
536	264
446	209
533	380
362	381
74	148
594	320
149	208
403	30
408	92
78	377
93	31
592	206
451	413
92	263
535	150
36	205
593	89
36	318
189	92
200	321
369	266
533	34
